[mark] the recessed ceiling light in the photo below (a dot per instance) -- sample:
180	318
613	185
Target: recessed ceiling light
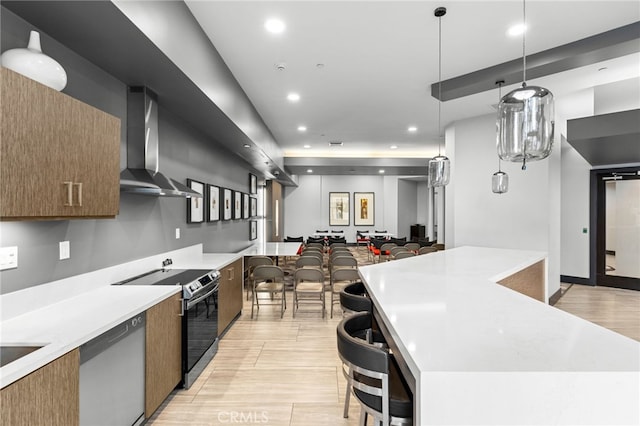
307	146
516	30
309	171
412	129
246	145
394	147
302	128
381	171
293	97
274	26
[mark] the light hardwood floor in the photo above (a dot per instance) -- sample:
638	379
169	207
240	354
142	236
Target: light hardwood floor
613	308
286	371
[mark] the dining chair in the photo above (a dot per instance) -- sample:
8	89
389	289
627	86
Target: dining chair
361	238
396	250
385	250
340	278
427	250
342	262
268	279
414	247
308	287
251	263
404	255
309	261
372	374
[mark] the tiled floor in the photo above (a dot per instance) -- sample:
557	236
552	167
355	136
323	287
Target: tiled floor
286	371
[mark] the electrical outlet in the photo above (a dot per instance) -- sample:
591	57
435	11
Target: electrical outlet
8	258
65	250
177	233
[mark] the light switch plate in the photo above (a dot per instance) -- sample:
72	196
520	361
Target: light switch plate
8	258
65	250
177	233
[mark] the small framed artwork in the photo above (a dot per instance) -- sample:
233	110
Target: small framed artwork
213	193
245	206
237	205
227	206
253	184
363	209
253	207
195	206
339	209
253	229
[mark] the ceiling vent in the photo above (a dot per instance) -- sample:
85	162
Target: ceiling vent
335	143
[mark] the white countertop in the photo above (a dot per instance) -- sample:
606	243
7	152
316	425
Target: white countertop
64	314
271	249
63	326
456	328
207	261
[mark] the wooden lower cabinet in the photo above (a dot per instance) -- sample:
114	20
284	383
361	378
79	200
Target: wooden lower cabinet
229	294
163	370
48	396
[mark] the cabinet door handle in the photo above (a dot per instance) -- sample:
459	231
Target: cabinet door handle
79	185
69	186
232	274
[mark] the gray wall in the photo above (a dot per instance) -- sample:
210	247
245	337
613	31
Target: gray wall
407	207
145	225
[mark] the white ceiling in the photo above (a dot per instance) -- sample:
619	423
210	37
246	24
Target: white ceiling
380	57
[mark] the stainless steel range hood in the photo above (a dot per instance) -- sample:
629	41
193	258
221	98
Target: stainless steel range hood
142	175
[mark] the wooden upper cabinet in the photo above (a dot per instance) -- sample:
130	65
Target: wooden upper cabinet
60	158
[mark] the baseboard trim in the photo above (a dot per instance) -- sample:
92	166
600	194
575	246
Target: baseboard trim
575	280
555	297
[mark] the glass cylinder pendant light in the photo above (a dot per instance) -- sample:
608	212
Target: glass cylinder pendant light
499	180
439	166
525	119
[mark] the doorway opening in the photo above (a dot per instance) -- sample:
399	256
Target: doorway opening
615	217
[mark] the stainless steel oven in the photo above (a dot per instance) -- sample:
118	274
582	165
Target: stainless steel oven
200	314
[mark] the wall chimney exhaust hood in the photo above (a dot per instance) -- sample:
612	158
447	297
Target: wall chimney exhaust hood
142	175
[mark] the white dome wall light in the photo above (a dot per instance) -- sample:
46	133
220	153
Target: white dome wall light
32	63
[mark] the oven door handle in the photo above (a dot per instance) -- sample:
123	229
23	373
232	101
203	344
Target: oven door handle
192	302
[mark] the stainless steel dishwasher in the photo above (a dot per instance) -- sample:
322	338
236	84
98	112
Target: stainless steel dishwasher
112	376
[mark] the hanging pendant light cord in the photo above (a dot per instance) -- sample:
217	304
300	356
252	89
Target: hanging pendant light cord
500	83
439	81
524	32
524	70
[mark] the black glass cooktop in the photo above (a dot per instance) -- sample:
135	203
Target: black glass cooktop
167	277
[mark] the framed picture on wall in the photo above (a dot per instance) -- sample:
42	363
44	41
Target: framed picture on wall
227	206
363	209
245	206
213	193
253	229
253	207
196	206
253	184
339	209
237	205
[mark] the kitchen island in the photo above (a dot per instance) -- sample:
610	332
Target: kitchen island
476	352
